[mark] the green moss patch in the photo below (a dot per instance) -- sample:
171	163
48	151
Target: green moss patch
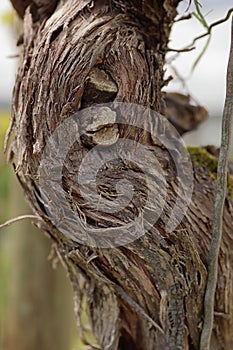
202	158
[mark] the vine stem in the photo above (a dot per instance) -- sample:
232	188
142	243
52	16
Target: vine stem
191	46
19	218
212	275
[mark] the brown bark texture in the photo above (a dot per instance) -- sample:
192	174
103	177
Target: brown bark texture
148	293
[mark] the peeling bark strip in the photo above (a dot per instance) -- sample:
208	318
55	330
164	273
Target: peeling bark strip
149	294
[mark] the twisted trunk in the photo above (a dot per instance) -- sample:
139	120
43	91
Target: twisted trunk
148	293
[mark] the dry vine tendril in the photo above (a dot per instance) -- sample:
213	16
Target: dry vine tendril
218	207
19	218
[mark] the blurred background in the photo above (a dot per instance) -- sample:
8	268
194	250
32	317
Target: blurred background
36	308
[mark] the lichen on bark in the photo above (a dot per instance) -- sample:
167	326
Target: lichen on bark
204	160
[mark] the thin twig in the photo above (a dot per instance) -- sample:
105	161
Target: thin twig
19	218
212	26
137	308
183	18
186	49
218	208
191	46
202	53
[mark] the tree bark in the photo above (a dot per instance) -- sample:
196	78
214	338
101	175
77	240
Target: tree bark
148	293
